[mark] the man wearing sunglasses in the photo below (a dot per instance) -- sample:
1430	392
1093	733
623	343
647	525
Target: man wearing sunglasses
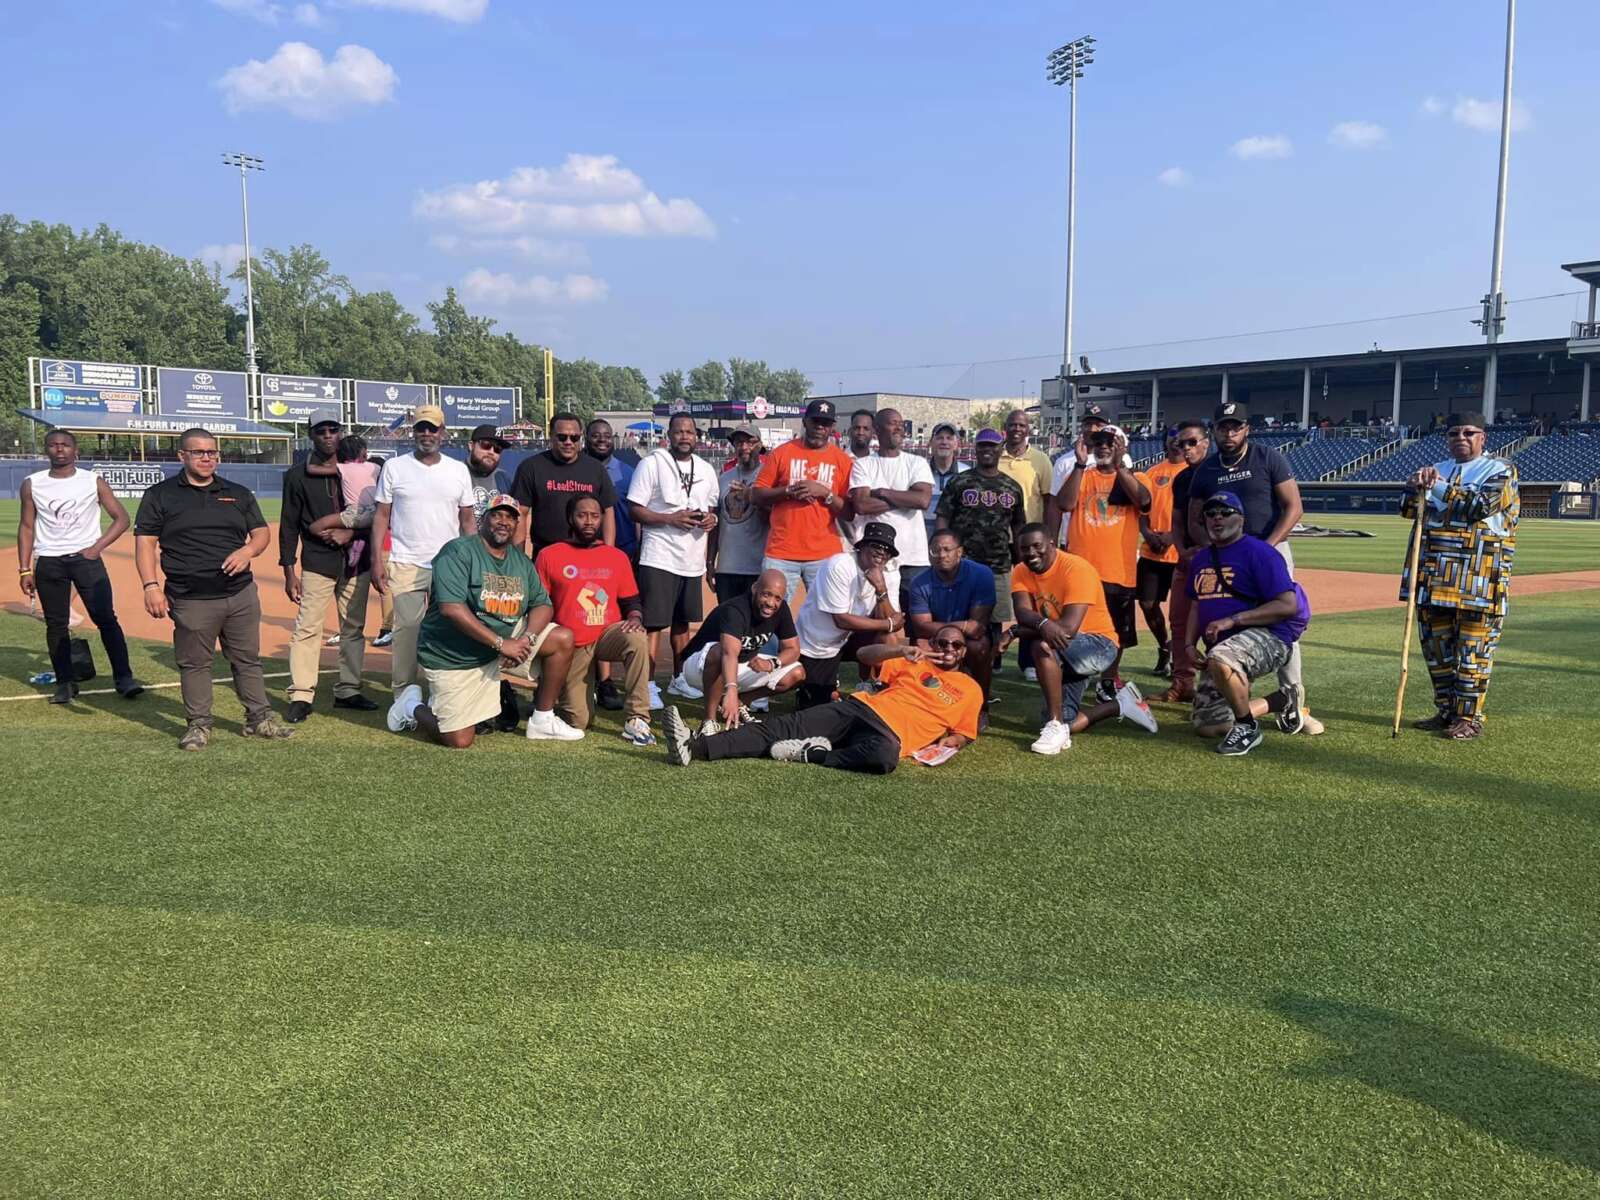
1469	534
424	500
207	530
483	466
921	701
1194	441
545	482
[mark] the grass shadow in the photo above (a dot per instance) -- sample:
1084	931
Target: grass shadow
1471	781
1522	1102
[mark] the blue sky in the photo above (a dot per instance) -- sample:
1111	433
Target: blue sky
851	189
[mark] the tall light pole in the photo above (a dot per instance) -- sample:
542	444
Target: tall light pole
247	163
1065	66
1494	304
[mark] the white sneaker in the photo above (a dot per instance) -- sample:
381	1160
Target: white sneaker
1130	703
794	749
637	731
681	687
546	726
1053	738
761	705
403	712
1031	675
333	641
655	696
708	728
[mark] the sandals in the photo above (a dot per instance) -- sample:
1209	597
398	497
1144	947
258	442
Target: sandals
1465	729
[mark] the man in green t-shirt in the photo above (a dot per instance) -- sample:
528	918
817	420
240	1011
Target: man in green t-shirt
488	618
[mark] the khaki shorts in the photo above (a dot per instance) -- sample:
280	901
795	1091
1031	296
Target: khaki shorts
1251	653
462	698
1003	614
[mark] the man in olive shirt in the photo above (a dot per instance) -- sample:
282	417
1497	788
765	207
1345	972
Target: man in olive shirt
207	530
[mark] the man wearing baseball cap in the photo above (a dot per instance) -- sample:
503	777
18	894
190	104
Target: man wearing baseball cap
944	462
849	607
488	619
327	573
738	541
804	486
423	501
1263	480
484	449
1250	614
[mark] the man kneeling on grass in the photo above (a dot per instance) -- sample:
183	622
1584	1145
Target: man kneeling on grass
1251	614
488	615
1058	598
922	700
728	659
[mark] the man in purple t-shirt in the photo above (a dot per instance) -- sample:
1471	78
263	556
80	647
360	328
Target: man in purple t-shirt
1246	608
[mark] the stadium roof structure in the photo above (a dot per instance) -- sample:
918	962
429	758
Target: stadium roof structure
1584	272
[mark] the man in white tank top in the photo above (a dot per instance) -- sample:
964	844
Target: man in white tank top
59	544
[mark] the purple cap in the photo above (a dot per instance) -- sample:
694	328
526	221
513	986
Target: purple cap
1222	499
985	436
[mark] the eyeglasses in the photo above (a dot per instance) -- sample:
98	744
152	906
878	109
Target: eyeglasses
203	453
487	445
1186	442
1465	433
1218	512
566	437
424	427
949	644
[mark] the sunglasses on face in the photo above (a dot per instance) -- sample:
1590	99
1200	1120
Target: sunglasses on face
488	445
424	427
1186	443
1465	433
566	437
1218	512
948	644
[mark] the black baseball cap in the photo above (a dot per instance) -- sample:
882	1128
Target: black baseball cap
1230	410
488	433
879	533
325	422
1472	420
1093	412
822	410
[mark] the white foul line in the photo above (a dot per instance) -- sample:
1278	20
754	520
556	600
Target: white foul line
150	687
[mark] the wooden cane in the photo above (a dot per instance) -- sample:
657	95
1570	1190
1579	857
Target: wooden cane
1411	612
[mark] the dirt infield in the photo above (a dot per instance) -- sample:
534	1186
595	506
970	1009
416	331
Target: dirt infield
1330	592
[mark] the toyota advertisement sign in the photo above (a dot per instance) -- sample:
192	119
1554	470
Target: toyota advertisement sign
301	399
468	405
181	392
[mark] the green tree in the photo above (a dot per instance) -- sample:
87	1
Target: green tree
580	386
20	313
669	388
788	387
708	383
462	341
296	296
747	378
627	389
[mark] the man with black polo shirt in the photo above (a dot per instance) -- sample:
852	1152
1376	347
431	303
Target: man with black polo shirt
207	530
1263	480
326	574
545	482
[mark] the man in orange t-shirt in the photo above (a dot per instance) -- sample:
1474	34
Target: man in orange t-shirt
923	700
1059	598
1104	501
1158	552
805	486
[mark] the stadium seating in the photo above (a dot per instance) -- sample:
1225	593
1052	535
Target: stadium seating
1561	459
1317	458
1426	451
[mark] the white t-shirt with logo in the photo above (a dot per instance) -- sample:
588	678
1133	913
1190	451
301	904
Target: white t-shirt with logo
900	474
841	587
66	512
662	484
425	505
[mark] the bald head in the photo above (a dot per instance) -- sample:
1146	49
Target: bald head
768	592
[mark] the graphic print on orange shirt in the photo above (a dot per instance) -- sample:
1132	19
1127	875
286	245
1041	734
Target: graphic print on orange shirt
1105	527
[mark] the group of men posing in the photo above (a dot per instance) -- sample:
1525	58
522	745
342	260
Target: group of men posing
542	592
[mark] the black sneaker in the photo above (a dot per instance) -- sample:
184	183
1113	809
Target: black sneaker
64	693
130	689
1164	663
1105	691
485	728
358	702
298	711
1291	719
1244	737
608	695
510	710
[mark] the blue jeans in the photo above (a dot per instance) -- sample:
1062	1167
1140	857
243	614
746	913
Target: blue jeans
794	573
1086	657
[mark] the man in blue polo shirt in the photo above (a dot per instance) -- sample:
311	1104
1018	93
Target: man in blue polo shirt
955	591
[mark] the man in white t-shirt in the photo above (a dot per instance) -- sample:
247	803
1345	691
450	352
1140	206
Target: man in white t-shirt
673	499
850	607
896	488
423	501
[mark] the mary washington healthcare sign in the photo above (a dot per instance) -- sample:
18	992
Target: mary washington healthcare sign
468	405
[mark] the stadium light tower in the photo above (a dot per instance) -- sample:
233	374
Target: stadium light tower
1494	304
1065	66
247	163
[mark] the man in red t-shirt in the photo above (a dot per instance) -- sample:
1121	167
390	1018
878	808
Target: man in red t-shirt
595	595
805	486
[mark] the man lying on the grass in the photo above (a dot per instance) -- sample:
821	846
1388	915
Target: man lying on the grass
488	617
922	700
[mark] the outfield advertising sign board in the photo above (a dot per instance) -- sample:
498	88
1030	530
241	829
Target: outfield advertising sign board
70	400
384	403
181	392
64	372
466	405
301	399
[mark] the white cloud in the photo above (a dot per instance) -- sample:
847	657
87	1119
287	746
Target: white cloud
1262	146
1174	177
484	286
227	257
526	247
298	80
1358	135
1432	105
307	14
1484	115
259	10
464	12
587	196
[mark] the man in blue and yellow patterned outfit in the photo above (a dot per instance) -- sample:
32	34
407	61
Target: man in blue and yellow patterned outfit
1469	535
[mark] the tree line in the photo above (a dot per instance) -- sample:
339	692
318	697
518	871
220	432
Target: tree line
97	295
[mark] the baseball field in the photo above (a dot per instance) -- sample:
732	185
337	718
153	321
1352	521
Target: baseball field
354	964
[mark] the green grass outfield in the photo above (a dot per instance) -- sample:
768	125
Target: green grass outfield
358	965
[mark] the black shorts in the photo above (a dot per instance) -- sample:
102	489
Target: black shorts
1154	581
822	674
730	587
670	599
1124	607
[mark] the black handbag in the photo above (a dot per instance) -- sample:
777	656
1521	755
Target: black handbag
82	660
